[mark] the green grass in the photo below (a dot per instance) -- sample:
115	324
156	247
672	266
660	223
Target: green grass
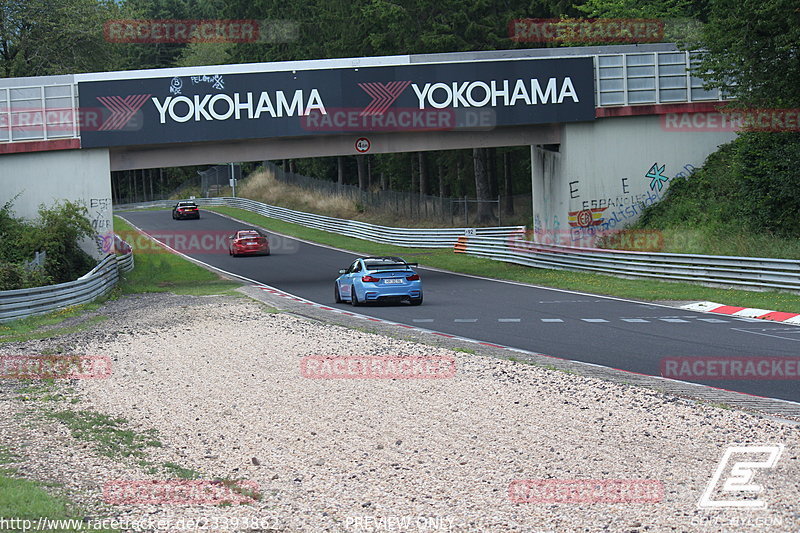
181	472
29	324
648	290
109	435
6	336
27	500
168	272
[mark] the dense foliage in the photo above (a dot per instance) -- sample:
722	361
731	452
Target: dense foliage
56	231
753	50
748	186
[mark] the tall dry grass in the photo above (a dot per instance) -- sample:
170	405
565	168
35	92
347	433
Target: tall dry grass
263	187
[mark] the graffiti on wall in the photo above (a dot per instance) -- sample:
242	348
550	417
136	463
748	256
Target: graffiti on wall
656	176
586	217
100	217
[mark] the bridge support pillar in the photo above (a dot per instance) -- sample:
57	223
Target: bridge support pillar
83	176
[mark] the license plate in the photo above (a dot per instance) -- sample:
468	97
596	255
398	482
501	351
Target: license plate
393	281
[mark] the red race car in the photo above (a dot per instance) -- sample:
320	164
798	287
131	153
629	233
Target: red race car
248	242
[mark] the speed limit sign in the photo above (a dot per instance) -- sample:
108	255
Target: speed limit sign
362	145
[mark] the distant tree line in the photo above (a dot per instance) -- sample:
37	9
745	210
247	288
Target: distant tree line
753	49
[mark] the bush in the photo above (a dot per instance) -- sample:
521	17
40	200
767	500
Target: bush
748	185
57	231
16	276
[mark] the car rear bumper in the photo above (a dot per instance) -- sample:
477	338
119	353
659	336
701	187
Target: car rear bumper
251	251
392	296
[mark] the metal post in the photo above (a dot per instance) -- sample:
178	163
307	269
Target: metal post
499	212
466	213
233	182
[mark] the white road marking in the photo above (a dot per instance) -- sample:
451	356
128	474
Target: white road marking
422	320
465	320
551	320
593	320
636	320
509	319
714	320
674	320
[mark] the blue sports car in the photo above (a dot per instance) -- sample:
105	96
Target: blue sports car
378	279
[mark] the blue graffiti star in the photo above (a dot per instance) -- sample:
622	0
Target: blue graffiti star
656	176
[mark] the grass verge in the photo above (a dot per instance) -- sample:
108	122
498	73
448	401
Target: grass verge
168	272
32	331
648	290
23	500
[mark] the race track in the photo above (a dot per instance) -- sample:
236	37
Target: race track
621	334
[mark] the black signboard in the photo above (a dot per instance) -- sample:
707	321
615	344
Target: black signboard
426	97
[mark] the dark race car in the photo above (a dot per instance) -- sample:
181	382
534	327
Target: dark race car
248	242
185	210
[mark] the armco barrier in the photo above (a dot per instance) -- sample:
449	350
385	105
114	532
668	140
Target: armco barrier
407	237
744	272
100	280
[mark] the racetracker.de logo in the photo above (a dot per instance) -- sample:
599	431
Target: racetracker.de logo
398	119
586	491
180	492
377	367
197	242
116	114
54	367
586	30
181	31
773	120
731	368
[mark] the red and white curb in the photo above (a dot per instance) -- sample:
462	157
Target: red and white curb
744	312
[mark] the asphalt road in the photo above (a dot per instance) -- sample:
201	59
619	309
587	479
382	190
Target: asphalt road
622	334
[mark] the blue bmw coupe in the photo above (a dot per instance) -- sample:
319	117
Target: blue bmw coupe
378	279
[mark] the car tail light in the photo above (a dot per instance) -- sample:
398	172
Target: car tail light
413	277
370	279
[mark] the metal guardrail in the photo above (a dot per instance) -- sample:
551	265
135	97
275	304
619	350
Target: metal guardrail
21	303
744	272
407	237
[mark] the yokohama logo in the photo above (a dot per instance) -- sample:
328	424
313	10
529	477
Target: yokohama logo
383	95
122	110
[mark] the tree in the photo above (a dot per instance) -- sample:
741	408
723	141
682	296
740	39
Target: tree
42	37
482	190
753	51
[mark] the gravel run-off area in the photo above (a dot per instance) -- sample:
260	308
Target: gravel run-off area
219	379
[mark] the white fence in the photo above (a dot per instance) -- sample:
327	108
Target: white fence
99	281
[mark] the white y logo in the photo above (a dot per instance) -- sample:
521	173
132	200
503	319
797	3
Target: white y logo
740	479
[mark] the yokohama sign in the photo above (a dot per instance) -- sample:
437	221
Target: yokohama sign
281	104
